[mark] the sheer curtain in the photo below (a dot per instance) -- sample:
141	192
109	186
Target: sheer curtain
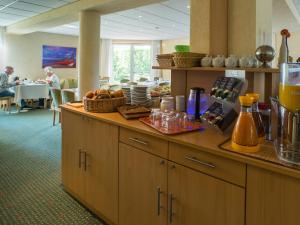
106	58
155	50
2	47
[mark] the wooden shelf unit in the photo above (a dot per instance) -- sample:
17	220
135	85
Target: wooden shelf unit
262	80
220	69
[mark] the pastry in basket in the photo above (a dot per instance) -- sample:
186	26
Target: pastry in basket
101	91
117	94
103	96
89	94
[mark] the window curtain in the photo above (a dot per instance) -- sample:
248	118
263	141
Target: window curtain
155	50
2	47
106	58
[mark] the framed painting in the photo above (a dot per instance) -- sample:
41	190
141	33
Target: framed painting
59	57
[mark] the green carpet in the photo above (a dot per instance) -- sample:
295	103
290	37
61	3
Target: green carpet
30	177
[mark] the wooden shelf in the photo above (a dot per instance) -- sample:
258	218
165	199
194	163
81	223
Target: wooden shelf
221	69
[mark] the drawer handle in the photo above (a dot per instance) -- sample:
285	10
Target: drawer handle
194	159
171	213
159	192
138	141
79	152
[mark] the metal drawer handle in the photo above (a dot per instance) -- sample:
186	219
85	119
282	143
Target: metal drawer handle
159	192
79	151
138	141
171	213
194	159
84	160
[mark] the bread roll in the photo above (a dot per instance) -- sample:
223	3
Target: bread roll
89	94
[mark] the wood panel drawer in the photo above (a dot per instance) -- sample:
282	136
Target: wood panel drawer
223	168
145	142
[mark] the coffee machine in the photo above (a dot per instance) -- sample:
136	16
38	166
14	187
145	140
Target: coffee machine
287	108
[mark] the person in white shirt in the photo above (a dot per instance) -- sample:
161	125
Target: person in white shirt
52	79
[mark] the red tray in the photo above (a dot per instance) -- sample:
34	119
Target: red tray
193	126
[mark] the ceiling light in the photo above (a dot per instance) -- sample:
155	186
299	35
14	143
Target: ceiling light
140	16
188	6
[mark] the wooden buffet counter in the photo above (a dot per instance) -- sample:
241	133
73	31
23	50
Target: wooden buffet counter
129	174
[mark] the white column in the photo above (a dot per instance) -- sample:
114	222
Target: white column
89	45
2	47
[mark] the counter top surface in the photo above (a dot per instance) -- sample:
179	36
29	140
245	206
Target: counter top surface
208	140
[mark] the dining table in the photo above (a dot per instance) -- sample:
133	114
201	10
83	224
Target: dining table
31	90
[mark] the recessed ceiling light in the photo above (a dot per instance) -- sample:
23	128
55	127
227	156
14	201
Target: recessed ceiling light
140	16
188	6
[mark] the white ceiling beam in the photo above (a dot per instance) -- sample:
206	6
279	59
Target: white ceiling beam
69	13
293	9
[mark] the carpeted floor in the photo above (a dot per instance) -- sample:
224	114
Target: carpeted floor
30	182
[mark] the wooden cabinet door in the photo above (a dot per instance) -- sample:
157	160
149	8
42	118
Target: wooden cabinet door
272	199
198	199
102	169
142	187
72	146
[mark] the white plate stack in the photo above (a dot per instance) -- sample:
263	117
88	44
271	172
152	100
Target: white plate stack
140	95
127	94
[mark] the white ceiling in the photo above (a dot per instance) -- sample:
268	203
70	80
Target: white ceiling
166	20
12	11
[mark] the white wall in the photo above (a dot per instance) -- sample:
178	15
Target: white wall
24	53
293	43
167	46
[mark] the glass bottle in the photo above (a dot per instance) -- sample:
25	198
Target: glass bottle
244	136
257	117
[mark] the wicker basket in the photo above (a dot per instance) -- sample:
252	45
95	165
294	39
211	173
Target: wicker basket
164	62
186	62
188	54
103	105
164	56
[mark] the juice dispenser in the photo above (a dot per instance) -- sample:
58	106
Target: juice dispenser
287	142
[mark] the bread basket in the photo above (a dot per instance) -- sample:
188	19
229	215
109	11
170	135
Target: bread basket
103	105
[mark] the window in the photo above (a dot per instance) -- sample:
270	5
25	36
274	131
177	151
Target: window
131	61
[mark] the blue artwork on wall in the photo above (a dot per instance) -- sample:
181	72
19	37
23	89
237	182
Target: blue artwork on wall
59	57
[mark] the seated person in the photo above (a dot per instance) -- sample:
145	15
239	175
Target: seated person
5	85
52	79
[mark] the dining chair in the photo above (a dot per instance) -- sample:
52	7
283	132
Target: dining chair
7	106
73	83
67	96
143	79
56	102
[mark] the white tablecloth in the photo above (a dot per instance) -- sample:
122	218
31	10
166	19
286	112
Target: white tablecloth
31	91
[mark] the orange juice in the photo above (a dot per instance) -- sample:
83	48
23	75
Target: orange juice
289	96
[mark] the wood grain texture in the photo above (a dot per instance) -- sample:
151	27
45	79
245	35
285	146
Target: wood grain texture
178	84
207	140
211	17
151	144
229	170
141	174
272	199
72	141
201	199
102	168
201	79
